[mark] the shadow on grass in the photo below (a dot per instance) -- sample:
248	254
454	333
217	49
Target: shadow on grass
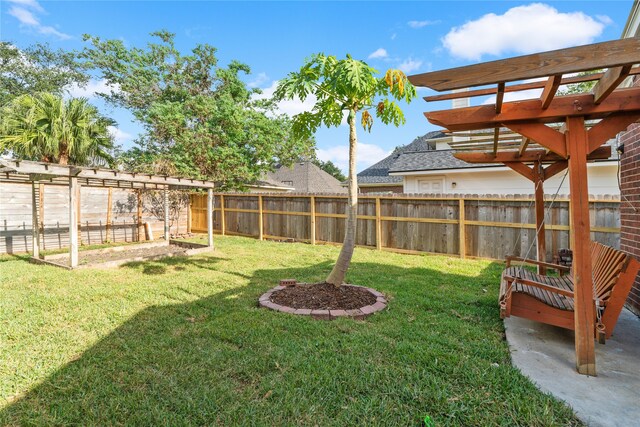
222	360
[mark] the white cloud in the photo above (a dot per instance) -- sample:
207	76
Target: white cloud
29	20
119	135
378	54
523	29
47	30
289	107
260	79
420	24
24	16
393	36
91	89
367	155
409	65
604	19
31	4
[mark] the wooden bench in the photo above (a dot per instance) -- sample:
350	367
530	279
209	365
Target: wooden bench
549	299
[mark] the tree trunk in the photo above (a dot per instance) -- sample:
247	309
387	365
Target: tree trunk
337	275
63	158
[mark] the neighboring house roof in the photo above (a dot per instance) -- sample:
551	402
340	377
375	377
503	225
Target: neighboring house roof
270	184
307	178
433	160
379	172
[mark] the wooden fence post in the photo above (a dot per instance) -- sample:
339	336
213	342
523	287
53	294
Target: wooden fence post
109	219
139	213
190	214
378	225
222	218
462	229
312	202
79	213
35	223
260	219
210	217
166	214
41	213
73	222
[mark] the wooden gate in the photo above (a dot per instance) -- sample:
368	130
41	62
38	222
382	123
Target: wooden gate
198	206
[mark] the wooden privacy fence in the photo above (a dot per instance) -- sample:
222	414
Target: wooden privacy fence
464	225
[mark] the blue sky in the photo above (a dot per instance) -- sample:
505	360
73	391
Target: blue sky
274	38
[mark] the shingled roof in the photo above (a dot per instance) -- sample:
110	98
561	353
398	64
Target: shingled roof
432	160
379	172
306	177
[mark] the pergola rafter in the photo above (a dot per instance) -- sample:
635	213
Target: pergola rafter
563	126
75	176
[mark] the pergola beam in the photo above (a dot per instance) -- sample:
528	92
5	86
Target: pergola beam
519	87
499	97
580	237
600	153
609	82
54	170
523	145
557	167
530	111
550	89
609	128
522	169
561	61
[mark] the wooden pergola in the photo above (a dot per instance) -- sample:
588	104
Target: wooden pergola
544	136
75	176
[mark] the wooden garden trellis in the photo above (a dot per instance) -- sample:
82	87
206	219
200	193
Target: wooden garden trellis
572	127
75	177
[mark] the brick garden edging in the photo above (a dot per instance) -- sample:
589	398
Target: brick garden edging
358	313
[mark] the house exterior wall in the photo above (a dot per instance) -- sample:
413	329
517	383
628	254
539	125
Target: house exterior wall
630	209
501	180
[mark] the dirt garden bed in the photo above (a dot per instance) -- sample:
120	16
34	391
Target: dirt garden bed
323	300
118	255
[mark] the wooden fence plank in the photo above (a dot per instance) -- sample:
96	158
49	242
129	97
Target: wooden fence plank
476	226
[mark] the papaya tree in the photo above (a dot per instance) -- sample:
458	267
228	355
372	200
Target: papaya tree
345	87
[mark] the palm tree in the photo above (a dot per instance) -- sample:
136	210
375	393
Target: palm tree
48	128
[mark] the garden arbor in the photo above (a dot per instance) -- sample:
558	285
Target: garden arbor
561	131
76	176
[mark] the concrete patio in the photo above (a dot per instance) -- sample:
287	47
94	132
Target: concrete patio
546	354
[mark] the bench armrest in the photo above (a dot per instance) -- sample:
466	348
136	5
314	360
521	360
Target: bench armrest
561	268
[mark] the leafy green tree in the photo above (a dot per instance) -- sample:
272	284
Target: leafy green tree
37	69
48	128
330	168
200	118
577	88
345	86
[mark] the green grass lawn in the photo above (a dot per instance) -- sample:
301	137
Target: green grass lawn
183	342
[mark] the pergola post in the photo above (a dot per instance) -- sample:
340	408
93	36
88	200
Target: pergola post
577	149
35	221
73	221
210	217
166	214
538	175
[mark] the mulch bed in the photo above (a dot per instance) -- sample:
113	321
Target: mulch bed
323	296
